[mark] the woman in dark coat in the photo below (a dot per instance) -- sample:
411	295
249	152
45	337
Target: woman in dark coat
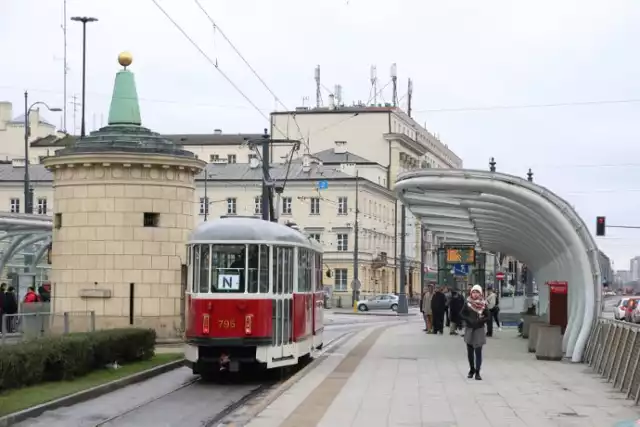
475	314
455	307
438	308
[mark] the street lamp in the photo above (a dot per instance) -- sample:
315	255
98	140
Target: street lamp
28	202
84	20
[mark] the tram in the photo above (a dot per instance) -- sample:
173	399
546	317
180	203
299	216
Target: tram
254	296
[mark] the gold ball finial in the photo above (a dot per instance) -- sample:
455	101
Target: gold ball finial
125	59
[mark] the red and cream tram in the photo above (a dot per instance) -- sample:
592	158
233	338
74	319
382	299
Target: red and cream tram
254	295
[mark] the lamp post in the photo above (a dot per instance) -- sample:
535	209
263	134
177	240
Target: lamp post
28	202
84	20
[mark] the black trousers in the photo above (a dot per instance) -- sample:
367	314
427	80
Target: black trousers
475	358
493	317
438	322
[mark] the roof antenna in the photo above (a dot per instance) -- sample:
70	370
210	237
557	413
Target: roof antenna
492	165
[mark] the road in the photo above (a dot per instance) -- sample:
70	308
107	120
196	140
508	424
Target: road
177	398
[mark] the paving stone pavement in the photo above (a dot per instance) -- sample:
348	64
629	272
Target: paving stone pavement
409	379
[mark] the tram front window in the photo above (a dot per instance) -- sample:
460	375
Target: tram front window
258	269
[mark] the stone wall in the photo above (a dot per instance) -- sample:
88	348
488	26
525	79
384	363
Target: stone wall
102	245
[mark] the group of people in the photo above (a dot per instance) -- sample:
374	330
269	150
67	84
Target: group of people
472	311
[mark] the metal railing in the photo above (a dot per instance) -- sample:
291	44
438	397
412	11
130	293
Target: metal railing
21	326
613	352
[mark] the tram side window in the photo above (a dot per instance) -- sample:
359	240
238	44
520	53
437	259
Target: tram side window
282	270
228	268
258	269
204	265
305	270
319	275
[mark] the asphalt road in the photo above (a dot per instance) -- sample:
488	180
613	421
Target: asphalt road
176	398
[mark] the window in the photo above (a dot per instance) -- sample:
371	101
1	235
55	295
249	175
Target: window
258	269
286	205
252	156
15	205
315	206
282	270
57	220
42	206
214	158
151	219
342	206
204	206
305	270
315	236
340	279
257	205
231	158
343	242
231	206
218	268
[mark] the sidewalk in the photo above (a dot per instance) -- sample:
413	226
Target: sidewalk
399	376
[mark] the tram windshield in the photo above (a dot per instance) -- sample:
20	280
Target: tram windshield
228	268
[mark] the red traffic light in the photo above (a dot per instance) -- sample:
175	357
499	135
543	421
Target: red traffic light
600	226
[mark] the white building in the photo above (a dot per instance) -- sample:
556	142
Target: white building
12	131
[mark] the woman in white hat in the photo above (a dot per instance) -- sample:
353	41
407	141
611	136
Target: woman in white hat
475	314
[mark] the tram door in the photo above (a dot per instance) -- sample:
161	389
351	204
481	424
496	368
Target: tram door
282	307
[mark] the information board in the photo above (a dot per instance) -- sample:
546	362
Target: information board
461	255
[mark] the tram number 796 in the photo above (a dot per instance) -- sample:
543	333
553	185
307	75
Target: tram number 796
226	324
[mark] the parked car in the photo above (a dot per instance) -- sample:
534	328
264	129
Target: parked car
619	309
635	314
379	302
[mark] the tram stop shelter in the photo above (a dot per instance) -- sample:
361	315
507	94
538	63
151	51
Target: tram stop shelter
505	213
24	233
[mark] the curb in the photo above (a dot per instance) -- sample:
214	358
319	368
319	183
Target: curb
272	395
92	393
367	313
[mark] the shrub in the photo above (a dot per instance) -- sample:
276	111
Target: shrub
68	356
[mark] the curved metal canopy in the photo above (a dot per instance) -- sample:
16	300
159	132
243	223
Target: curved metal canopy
505	213
19	231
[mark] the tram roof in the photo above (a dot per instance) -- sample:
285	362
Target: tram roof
247	229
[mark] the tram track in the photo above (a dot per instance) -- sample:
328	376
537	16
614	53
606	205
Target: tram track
191	403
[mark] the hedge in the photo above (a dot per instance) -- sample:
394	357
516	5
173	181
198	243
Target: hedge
69	356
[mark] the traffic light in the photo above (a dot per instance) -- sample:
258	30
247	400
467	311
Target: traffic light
600	226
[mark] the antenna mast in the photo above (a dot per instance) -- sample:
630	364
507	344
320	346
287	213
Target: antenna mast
374	85
409	97
318	91
66	68
338	94
75	104
394	82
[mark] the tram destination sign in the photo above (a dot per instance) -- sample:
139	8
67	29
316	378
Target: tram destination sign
460	255
229	282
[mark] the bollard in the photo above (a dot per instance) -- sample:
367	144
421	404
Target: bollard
66	322
355	306
93	321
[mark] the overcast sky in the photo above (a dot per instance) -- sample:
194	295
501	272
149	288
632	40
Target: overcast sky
462	55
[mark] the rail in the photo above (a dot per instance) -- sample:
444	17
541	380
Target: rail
613	352
21	326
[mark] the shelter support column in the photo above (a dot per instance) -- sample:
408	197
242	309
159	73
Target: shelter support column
403	307
528	289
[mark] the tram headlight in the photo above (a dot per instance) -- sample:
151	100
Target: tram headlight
248	324
205	324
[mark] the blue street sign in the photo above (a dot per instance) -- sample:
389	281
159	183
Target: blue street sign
323	185
461	269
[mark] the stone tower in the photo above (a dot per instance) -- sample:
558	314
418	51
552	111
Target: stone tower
124	203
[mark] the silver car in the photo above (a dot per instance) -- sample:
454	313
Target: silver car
379	302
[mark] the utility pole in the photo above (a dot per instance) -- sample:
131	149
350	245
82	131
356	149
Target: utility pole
403	307
66	68
28	206
374	84
267	195
75	104
84	20
355	284
409	97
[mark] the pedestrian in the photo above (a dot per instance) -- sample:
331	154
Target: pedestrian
475	314
31	296
447	295
425	308
455	307
494	310
3	290
10	307
438	309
